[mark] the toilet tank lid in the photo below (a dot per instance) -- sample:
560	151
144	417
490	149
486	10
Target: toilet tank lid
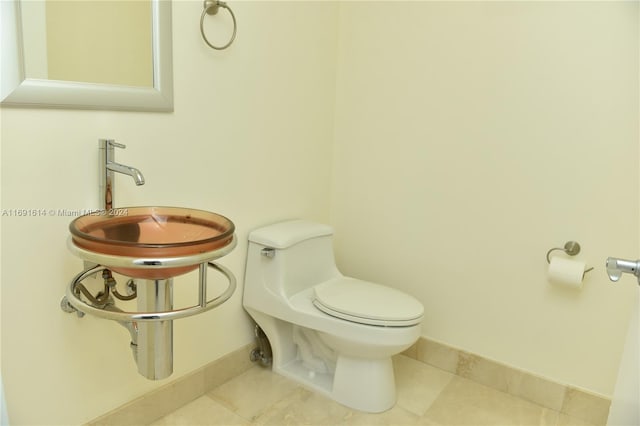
285	234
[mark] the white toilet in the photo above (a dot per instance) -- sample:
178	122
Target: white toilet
331	333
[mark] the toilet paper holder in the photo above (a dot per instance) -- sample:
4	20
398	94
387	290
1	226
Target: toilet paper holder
571	248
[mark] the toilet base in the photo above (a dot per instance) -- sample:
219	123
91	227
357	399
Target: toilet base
365	384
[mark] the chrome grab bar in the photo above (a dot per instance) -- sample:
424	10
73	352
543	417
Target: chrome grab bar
203	306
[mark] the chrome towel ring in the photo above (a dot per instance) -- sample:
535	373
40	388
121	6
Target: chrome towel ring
211	7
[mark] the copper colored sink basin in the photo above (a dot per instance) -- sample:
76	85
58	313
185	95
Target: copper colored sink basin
152	233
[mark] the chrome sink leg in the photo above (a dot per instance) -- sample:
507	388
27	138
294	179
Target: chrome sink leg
155	339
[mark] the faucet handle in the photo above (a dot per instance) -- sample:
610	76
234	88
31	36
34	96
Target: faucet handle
109	143
115	144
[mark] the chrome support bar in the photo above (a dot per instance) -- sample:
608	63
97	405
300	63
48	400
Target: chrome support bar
202	293
164	315
152	328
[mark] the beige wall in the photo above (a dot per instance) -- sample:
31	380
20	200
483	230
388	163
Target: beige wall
244	141
471	137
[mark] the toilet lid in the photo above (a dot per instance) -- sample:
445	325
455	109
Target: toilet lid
367	303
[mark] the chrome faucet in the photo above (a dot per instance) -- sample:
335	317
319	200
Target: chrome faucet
107	168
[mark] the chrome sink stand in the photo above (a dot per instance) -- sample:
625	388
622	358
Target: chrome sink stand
151	328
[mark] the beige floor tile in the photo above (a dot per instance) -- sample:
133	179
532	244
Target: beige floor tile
396	416
418	384
250	394
304	407
426	396
202	411
565	420
464	402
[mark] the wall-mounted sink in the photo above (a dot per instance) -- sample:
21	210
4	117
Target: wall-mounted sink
151	242
151	245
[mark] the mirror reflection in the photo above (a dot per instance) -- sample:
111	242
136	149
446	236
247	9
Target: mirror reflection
102	41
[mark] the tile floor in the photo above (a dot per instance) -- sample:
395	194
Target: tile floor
426	396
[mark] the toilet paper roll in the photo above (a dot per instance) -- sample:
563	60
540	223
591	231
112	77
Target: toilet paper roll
566	272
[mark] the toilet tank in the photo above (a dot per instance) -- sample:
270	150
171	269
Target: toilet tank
300	255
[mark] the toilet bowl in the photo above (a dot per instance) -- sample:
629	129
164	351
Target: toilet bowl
331	333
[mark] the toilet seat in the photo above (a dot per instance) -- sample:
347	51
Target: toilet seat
367	303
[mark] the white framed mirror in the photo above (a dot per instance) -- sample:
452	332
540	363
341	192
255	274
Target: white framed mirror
26	82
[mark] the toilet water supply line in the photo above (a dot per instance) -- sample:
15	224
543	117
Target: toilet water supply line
263	352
